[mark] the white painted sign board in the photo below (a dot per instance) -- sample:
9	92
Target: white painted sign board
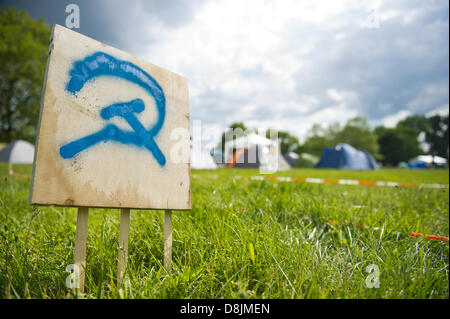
113	130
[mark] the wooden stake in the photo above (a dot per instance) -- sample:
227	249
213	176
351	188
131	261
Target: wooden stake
168	240
123	244
80	244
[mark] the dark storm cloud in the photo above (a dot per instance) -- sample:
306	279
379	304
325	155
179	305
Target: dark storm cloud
394	67
211	105
126	25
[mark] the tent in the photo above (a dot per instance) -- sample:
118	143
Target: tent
217	156
246	158
426	161
17	152
306	160
402	165
291	158
259	157
256	146
344	156
254	151
302	160
201	159
245	142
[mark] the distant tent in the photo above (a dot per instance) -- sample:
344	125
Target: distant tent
17	152
306	160
201	159
402	165
426	161
245	142
302	160
344	156
418	164
217	156
251	158
254	151
246	158
283	164
291	158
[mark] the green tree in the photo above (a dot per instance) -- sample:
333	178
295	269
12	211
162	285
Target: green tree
398	144
235	130
418	123
315	145
401	143
319	138
23	52
437	135
358	134
288	142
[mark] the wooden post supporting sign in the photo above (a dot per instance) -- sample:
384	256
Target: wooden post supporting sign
167	240
123	243
80	245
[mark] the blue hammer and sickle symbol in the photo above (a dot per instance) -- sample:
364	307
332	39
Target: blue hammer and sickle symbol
102	64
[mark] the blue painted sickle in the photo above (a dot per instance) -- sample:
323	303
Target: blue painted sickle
102	64
140	137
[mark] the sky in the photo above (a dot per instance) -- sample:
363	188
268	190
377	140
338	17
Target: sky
282	64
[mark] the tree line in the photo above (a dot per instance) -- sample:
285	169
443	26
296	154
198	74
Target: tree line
23	54
413	136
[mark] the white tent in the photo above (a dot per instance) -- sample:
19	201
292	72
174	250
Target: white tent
18	152
291	158
260	152
429	159
246	142
201	159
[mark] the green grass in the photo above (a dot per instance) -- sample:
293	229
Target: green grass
242	239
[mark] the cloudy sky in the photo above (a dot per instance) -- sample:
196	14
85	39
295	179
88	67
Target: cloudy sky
284	64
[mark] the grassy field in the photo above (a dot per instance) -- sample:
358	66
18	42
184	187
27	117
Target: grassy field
242	239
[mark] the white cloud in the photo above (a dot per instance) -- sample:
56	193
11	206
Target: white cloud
392	120
443	110
388	15
284	63
342	96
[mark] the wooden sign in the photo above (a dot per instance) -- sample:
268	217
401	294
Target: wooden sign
113	132
109	127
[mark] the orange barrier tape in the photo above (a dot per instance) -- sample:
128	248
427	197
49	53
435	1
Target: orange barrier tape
332	181
417	235
368	183
341	181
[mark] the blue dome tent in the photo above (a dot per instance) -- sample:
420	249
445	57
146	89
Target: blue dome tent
344	156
